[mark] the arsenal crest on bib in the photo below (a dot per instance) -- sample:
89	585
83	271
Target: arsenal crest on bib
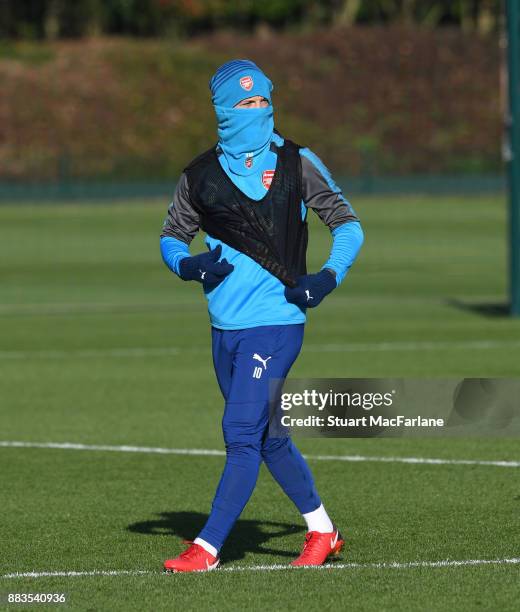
267	178
249	160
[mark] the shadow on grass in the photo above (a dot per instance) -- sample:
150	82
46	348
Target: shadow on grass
246	536
485	309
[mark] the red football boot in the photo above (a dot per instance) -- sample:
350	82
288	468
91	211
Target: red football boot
318	546
193	559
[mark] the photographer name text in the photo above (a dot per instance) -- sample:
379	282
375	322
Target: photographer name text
364	421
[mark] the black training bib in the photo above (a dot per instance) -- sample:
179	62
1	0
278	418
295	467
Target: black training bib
271	230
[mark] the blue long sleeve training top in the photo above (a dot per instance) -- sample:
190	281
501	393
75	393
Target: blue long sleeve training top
251	296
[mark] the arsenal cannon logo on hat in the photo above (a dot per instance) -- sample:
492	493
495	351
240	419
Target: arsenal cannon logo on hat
246	83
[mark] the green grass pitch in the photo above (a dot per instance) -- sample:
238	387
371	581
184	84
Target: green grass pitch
101	345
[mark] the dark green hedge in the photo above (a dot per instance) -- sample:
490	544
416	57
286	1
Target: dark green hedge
370	101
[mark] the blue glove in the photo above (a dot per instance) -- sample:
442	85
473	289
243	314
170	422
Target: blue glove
205	268
311	289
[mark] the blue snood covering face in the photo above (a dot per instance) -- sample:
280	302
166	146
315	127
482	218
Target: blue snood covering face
245	134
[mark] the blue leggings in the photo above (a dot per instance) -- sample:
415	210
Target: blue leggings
244	361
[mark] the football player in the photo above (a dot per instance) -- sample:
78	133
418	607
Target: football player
250	194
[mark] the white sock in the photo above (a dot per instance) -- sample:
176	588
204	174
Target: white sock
211	549
318	520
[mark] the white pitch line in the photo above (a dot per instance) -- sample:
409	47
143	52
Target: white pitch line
412	346
118	449
202	452
370	347
383	565
270	568
66	308
74	574
91	353
423	460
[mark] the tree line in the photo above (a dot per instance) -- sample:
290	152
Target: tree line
51	19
